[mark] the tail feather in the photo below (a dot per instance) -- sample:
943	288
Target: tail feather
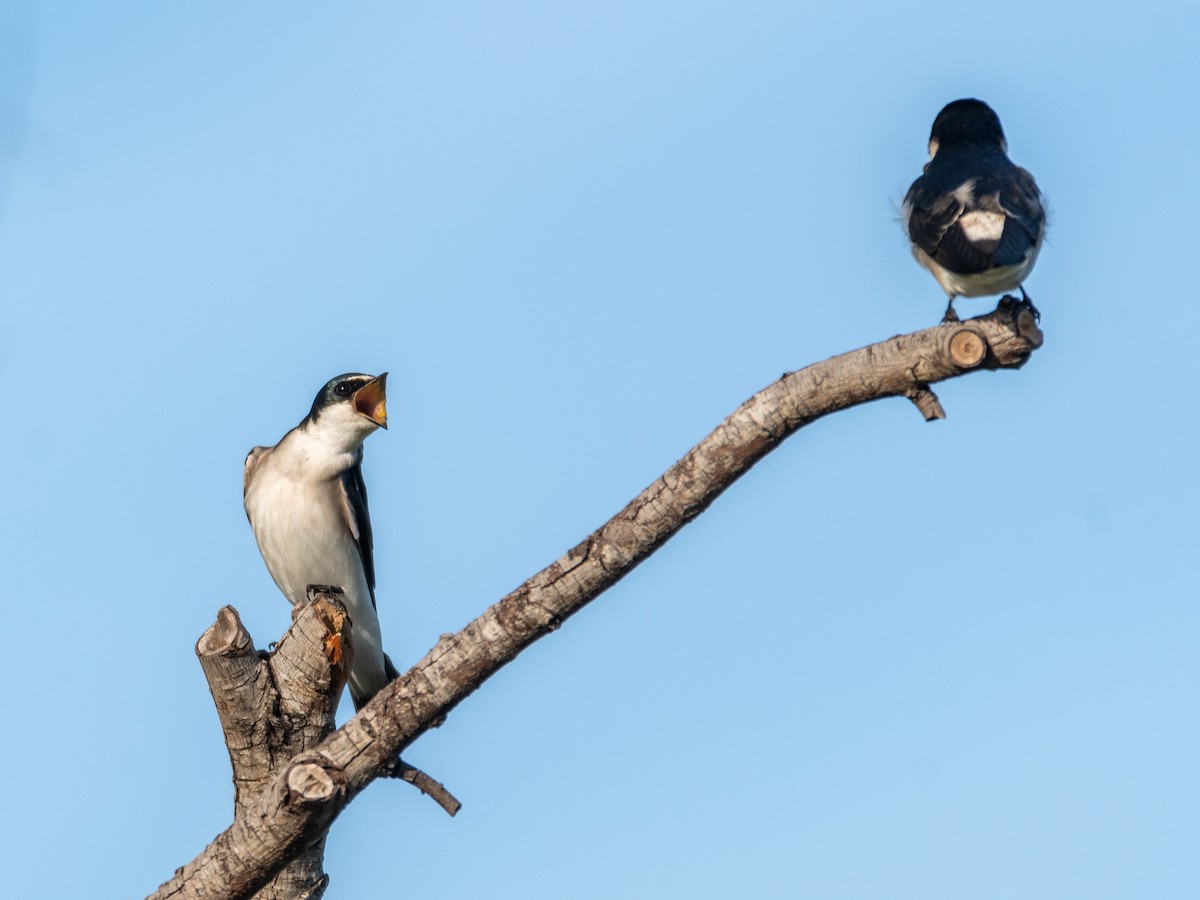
392	673
389	668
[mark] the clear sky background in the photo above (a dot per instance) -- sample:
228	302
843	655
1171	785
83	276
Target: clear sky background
896	660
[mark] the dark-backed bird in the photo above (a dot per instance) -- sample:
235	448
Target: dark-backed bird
974	218
307	504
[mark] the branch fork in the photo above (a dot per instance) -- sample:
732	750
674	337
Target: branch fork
275	710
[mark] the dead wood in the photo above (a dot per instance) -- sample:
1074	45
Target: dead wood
282	815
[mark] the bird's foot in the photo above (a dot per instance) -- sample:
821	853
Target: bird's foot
951	315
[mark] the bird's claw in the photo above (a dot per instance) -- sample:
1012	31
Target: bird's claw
1037	316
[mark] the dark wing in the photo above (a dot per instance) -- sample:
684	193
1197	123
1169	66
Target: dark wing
1021	202
935	205
354	505
929	213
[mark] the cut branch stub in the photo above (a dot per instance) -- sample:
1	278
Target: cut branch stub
926	402
310	783
426	785
1027	326
967	348
225	637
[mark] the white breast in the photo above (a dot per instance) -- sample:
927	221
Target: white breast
304	539
303	535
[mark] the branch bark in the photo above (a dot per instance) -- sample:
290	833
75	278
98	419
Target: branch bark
274	707
297	806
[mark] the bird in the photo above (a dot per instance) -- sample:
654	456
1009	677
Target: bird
307	505
975	219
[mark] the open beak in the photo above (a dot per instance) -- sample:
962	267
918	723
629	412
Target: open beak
370	400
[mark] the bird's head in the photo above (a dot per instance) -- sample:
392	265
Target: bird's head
350	407
966	122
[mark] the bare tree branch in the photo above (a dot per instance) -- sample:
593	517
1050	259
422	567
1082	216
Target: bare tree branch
298	805
426	785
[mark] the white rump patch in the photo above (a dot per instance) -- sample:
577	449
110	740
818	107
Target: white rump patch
980	226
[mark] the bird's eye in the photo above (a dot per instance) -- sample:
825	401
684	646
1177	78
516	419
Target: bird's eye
343	389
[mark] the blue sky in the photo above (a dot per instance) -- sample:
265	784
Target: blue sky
896	660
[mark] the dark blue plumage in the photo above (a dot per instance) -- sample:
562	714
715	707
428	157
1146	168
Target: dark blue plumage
975	219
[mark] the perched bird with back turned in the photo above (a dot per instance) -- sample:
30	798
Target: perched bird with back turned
307	504
974	218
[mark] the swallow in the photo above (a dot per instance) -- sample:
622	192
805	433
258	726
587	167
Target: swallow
975	219
307	505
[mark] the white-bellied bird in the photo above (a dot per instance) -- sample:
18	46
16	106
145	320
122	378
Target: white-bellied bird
974	218
307	503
